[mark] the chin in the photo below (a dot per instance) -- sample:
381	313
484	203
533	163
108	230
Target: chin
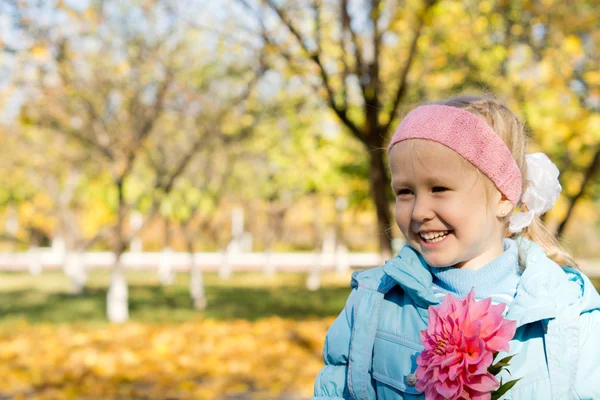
436	263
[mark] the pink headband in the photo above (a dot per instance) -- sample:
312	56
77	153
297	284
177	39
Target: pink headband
469	136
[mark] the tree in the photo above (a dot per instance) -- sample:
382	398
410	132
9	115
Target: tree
347	52
199	189
371	60
117	104
545	59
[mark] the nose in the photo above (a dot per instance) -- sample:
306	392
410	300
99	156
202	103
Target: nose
422	210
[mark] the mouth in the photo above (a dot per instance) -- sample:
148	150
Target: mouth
430	238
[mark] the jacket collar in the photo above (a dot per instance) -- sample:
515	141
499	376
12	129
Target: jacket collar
413	275
545	290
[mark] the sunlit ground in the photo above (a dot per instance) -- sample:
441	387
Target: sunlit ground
260	338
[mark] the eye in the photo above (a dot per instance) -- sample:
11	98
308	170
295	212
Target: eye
402	192
439	189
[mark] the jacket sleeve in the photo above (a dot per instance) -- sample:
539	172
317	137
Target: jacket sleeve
587	377
332	380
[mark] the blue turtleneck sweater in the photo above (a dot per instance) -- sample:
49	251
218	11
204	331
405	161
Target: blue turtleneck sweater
498	279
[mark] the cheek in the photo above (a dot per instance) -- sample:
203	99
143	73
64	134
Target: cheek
469	215
461	213
453	208
403	214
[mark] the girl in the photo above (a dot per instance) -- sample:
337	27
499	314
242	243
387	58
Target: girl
458	170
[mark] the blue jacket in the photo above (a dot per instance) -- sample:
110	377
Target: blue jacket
371	349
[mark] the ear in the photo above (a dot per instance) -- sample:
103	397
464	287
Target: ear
504	207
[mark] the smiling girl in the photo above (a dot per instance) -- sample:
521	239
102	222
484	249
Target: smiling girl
459	172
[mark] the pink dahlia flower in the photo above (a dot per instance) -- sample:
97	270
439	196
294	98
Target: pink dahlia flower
459	341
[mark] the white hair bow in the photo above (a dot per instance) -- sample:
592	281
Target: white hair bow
541	193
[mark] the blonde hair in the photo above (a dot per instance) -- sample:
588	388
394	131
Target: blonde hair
506	124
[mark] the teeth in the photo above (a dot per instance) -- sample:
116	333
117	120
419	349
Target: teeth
433	235
438	239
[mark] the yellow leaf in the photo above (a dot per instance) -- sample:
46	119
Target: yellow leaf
572	45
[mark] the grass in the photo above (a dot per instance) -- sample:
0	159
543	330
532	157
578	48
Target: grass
46	299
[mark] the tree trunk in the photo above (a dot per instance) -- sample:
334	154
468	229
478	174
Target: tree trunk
342	264
166	275
72	256
379	190
268	265
196	281
75	269
35	262
225	264
117	308
589	174
313	281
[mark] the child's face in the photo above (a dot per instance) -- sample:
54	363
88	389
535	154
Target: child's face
437	191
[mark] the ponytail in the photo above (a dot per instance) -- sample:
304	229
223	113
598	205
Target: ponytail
539	233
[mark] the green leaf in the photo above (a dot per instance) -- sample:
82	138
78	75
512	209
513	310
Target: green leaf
496	368
497	394
506	359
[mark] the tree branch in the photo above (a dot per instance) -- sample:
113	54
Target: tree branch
589	173
371	89
342	113
402	80
11	238
146	127
347	25
57	126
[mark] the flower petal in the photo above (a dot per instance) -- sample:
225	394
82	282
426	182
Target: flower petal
475	350
448	389
500	340
452	359
480	396
482	383
479	308
482	366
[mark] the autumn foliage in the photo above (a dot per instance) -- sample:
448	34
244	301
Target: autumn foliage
204	359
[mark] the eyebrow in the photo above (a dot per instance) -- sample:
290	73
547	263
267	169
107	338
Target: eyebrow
429	181
398	184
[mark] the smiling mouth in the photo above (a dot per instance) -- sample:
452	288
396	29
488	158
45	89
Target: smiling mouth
433	237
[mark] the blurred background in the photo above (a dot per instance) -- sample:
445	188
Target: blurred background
187	185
